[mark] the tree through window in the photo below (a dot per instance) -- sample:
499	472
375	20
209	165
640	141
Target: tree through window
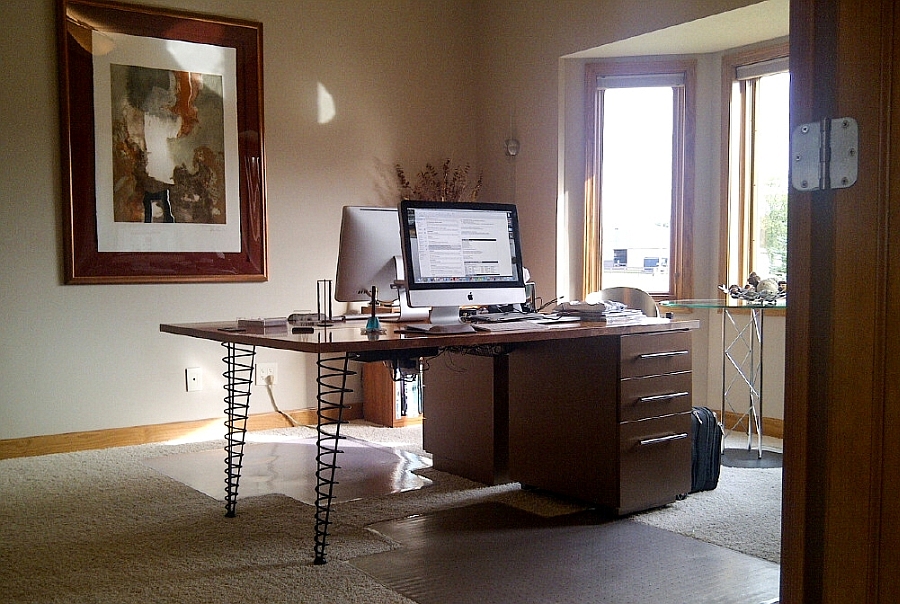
755	223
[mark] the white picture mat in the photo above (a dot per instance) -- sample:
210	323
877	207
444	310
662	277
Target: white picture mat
175	55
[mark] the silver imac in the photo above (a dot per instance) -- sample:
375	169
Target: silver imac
370	255
461	254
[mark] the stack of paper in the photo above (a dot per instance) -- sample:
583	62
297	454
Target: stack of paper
607	311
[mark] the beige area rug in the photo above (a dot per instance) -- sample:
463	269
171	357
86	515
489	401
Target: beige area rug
103	526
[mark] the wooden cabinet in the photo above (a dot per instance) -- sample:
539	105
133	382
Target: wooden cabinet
382	403
466	415
605	420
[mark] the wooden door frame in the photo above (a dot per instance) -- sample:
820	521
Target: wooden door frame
839	521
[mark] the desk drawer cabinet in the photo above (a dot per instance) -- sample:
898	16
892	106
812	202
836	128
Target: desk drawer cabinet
655	354
605	420
653	454
653	396
654	419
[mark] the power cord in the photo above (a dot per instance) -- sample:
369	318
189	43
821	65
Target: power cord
550	303
271	391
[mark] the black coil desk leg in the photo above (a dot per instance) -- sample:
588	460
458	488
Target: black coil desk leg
332	385
239	376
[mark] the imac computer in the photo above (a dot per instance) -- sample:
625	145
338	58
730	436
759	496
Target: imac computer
370	256
460	254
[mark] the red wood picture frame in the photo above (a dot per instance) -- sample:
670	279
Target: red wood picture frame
85	263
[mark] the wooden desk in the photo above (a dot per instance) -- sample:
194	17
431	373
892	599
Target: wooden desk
562	351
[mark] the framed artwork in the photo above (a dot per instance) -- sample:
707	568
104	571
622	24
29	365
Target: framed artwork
161	117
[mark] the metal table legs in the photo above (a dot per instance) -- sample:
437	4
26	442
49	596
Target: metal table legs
332	385
742	373
239	377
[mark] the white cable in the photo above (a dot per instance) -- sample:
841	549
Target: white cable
275	405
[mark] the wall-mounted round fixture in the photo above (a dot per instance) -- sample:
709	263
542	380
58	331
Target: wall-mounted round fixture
512	147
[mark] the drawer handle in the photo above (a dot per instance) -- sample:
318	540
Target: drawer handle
661	397
663	439
656	355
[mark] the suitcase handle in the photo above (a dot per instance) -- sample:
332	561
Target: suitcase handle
656	355
661	397
663	439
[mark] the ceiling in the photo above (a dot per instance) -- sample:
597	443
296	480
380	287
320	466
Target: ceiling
766	20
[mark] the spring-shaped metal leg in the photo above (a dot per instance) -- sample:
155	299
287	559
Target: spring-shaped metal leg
239	376
332	385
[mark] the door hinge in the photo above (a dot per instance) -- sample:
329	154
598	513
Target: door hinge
824	154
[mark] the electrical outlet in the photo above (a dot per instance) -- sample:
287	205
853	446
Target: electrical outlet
193	379
266	373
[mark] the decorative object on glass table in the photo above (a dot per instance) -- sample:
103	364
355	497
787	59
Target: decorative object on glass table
761	291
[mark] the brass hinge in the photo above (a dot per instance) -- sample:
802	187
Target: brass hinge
824	155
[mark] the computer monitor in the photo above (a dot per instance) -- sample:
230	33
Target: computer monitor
370	254
459	254
367	254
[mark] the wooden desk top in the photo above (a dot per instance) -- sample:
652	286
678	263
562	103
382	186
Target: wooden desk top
348	336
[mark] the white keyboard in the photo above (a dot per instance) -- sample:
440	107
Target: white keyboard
509	326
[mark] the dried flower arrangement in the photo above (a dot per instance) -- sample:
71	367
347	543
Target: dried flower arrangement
444	184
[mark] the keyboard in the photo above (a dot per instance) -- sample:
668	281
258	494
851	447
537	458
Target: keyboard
509	326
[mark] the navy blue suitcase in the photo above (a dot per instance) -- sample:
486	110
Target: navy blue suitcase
706	452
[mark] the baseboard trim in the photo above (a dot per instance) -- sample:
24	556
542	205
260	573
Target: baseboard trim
771	426
33	446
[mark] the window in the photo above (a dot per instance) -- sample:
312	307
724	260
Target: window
639	172
756	94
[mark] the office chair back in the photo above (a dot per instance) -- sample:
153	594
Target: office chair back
633	298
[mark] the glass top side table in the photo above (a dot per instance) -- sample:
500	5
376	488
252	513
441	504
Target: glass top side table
742	360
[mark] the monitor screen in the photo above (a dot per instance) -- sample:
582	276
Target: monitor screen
461	253
368	254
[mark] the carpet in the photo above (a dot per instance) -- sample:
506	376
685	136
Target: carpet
105	527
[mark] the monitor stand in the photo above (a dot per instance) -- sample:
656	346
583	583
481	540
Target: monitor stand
407	312
444	315
443	320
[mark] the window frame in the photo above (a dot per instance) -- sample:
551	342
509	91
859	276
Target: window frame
736	259
681	225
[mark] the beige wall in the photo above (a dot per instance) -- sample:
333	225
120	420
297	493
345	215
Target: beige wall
412	81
